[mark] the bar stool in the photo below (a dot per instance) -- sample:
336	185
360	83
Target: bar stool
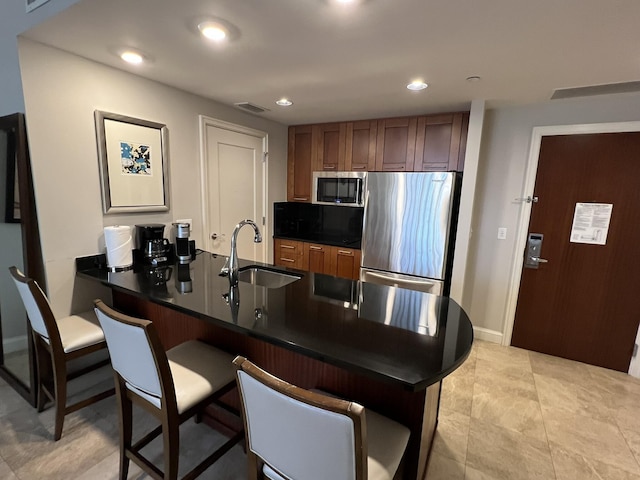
173	386
297	434
59	341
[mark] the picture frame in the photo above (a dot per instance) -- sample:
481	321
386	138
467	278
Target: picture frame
134	156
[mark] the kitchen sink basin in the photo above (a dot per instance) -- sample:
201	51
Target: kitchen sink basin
265	277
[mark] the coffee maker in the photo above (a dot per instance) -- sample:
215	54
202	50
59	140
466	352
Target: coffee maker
183	248
153	248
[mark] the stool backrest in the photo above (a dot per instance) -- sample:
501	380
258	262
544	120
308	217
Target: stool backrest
299	433
137	354
36	304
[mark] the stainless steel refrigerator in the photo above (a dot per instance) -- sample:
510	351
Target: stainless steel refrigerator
407	236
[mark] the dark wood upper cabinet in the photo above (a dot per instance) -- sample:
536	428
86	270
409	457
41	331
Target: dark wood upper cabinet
300	163
396	143
463	141
360	148
407	144
330	146
439	141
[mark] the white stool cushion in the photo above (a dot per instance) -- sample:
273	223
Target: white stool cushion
198	370
78	331
387	442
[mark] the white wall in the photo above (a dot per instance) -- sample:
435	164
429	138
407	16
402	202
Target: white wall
504	153
13	21
61	93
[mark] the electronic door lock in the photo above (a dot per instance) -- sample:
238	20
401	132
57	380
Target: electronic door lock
534	246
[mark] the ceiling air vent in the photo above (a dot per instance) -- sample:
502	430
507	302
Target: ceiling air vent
250	107
608	89
33	4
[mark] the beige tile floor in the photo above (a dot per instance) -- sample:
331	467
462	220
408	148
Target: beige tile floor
505	414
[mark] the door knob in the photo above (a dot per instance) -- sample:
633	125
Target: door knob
214	236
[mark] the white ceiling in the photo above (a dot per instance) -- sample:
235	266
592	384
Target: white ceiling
339	63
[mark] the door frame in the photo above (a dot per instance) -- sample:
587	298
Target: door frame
531	172
205	122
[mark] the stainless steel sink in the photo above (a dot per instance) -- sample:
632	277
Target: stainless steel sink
265	277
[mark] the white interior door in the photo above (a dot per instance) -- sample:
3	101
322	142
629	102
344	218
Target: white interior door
234	174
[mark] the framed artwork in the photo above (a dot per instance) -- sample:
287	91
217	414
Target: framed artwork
133	156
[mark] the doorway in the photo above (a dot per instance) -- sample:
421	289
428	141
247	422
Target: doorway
579	303
234	187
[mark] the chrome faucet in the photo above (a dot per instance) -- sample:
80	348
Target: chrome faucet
230	268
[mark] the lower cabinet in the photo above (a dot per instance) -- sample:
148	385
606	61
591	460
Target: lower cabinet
289	253
346	261
317	258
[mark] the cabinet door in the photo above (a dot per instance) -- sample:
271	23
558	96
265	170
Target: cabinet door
438	143
463	141
300	160
288	253
319	258
360	148
330	146
347	262
396	143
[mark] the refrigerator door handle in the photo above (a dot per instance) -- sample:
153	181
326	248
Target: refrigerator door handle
402	281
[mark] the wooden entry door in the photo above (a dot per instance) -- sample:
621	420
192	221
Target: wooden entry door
584	303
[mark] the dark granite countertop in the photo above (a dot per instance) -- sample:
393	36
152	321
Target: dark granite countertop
400	336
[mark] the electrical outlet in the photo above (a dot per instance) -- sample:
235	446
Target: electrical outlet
502	233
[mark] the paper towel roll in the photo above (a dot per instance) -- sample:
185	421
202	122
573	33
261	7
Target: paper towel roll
118	241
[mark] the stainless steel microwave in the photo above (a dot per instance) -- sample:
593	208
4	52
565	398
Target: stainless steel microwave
339	188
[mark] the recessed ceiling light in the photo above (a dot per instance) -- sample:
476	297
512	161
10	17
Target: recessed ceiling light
473	78
417	85
284	102
213	30
132	57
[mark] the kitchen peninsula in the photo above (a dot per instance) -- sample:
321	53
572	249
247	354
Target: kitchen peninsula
385	347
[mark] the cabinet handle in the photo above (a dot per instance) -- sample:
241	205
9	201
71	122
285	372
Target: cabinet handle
361	167
393	168
329	167
287	246
287	260
311	247
345	252
301	198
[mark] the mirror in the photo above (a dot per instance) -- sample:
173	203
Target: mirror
20	242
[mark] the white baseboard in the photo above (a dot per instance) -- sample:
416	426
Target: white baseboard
494	336
14	344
